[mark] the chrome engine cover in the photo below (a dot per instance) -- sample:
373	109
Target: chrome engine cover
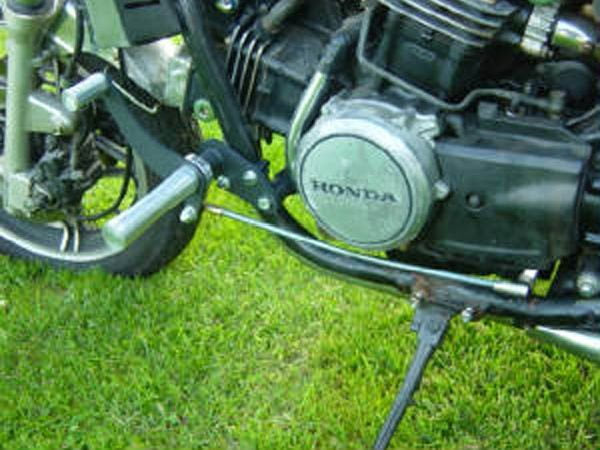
367	172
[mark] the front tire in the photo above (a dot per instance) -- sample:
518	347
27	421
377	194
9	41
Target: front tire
66	242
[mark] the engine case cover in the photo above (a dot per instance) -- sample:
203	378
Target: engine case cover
367	172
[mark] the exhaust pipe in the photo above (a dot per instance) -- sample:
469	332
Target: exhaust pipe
581	343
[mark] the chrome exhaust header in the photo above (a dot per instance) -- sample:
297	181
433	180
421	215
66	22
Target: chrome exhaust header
581	343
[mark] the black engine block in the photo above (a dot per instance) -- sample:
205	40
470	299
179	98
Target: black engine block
517	189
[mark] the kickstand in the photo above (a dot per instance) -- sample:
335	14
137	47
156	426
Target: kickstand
431	323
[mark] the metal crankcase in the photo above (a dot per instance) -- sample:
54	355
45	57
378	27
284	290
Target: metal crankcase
368	174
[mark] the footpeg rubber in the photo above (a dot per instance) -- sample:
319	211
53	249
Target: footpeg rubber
190	179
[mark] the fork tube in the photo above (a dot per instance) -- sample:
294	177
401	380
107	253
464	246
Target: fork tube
24	20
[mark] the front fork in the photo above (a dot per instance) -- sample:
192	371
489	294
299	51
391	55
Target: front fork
25	20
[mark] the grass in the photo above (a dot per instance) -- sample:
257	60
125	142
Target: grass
237	345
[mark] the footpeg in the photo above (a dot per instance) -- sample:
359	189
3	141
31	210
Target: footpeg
190	179
431	323
85	92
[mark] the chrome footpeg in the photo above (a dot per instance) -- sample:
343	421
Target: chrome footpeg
190	179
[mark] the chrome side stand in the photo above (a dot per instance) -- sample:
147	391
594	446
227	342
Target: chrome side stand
430	323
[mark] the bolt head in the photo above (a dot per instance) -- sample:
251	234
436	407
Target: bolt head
264	204
223	182
474	201
467	315
441	190
588	284
189	214
250	178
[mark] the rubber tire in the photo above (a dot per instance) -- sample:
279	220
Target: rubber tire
152	251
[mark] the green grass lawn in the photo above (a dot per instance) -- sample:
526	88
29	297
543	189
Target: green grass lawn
237	345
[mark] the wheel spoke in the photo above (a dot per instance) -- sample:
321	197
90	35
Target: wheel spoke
64	243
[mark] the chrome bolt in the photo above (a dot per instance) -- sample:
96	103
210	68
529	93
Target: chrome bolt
250	178
226	6
441	190
189	214
223	182
588	284
264	204
468	315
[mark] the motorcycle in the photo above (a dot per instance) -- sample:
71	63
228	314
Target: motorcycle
443	148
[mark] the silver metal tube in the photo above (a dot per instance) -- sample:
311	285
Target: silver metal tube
85	92
21	43
581	343
23	38
311	97
131	224
502	287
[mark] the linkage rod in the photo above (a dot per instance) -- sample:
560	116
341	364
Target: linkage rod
501	287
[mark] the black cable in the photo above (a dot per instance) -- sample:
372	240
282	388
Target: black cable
124	188
79	40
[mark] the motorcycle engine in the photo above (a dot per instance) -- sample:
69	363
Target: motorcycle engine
367	172
445	139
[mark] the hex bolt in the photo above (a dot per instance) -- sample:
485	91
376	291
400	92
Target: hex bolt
588	284
189	214
467	315
441	190
223	182
250	178
264	204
